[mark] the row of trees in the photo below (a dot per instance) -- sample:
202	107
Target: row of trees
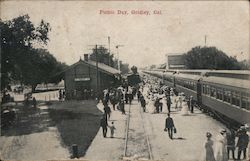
20	61
105	57
210	58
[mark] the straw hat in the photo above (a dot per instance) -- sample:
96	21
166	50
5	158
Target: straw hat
209	135
223	131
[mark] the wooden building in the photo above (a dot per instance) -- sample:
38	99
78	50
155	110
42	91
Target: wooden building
87	78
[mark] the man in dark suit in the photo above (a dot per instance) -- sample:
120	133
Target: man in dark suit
169	125
107	110
104	125
191	104
169	103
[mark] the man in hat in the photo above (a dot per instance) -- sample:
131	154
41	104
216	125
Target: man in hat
121	105
169	126
169	103
231	143
242	142
143	103
107	110
104	125
191	104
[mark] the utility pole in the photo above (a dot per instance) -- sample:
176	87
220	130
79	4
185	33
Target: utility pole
97	75
119	65
109	50
97	68
205	40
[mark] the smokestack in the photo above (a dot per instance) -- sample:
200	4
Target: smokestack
86	57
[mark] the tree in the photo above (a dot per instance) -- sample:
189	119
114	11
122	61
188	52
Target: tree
108	59
209	58
102	55
20	60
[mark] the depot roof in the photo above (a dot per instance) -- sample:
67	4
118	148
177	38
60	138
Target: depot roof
101	66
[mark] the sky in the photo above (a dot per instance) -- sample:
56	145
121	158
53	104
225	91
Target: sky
146	39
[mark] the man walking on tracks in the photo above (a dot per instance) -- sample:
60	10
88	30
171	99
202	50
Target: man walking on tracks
169	126
104	125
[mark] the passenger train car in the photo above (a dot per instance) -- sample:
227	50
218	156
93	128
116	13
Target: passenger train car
226	93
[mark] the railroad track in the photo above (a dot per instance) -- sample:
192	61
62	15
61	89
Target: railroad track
137	144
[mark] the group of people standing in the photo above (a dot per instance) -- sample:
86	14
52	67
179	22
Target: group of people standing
161	99
117	97
225	144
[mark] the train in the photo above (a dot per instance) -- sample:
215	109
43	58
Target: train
225	93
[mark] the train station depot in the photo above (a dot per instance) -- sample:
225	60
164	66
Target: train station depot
88	78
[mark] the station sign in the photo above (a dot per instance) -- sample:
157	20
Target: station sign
82	79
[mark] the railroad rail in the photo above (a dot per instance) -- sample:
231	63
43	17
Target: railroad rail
145	153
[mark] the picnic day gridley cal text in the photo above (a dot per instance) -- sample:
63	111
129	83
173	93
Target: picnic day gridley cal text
129	12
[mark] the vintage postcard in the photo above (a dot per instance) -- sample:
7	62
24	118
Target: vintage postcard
125	80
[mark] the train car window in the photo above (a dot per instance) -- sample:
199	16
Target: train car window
204	89
227	96
219	94
236	98
207	90
245	100
213	92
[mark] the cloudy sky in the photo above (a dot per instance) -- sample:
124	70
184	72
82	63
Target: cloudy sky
146	38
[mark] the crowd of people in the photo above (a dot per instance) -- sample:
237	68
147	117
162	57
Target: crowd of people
225	144
156	98
160	99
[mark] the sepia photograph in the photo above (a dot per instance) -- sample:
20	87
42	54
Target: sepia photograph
125	80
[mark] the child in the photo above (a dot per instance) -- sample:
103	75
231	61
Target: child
112	129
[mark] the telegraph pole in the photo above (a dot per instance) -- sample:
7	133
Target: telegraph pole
97	68
205	40
119	65
109	50
97	75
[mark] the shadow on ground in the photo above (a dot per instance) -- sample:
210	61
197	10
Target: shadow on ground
28	120
77	124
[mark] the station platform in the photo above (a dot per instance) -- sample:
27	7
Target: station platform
187	144
108	148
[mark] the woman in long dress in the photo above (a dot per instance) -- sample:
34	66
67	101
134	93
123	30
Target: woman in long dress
151	107
220	148
184	109
209	148
179	101
164	105
173	101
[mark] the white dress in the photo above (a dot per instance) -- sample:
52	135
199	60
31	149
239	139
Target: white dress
179	102
151	107
173	101
164	105
220	151
184	109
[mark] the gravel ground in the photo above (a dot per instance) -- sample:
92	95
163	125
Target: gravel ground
137	143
